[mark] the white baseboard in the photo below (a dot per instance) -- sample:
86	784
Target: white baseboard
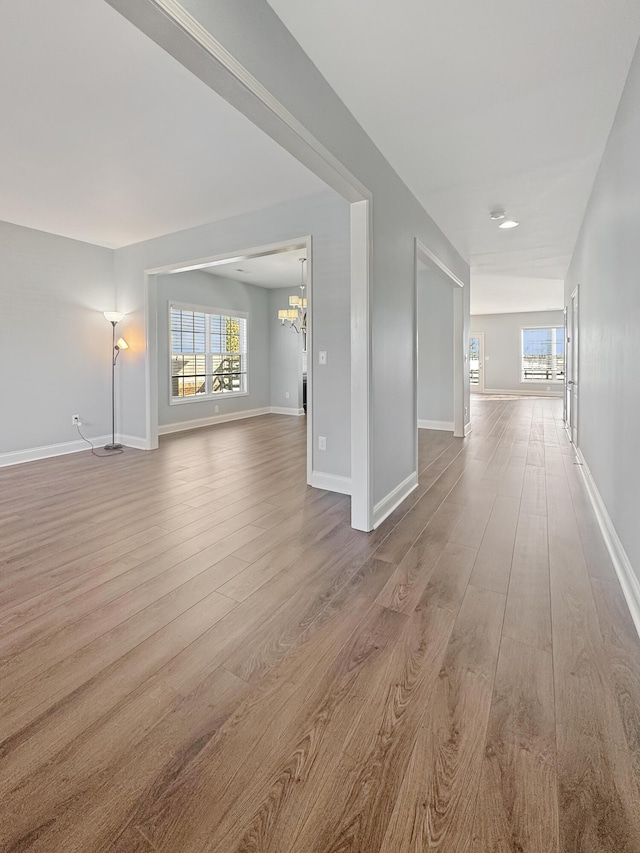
626	575
134	441
278	410
467	429
445	425
31	454
395	497
196	423
526	392
330	482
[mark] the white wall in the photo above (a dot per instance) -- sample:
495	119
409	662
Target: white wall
212	291
326	219
502	350
435	350
286	355
606	267
55	344
257	39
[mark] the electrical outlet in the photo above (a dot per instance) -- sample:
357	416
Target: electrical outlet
286	394
466	411
75	420
322	357
322	442
216	408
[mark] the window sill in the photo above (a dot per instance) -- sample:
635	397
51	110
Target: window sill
207	398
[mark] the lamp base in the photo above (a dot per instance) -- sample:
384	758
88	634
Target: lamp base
113	447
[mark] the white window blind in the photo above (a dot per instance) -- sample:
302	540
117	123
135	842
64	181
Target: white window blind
208	353
543	354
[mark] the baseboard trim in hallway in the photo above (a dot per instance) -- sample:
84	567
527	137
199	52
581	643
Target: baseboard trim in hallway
626	575
447	426
386	506
330	482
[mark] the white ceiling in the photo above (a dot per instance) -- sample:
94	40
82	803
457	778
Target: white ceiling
478	103
494	294
276	270
106	138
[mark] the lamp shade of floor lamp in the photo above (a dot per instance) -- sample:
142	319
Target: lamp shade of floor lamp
114	318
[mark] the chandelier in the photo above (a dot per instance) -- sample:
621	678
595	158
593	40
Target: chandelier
295	316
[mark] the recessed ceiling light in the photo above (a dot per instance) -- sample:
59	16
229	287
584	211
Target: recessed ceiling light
509	223
497	213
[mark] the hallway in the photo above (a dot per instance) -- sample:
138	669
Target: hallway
197	652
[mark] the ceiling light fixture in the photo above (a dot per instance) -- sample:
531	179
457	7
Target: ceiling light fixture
498	214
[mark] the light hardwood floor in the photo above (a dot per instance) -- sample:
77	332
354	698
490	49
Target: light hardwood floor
197	653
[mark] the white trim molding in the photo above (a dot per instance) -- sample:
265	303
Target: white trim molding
278	410
135	441
47	451
395	497
361	368
445	425
348	184
520	392
626	575
197	423
330	482
467	429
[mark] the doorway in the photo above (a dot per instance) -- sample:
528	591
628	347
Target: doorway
176	31
476	363
439	369
274	273
572	372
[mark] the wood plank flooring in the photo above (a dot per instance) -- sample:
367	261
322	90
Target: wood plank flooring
197	652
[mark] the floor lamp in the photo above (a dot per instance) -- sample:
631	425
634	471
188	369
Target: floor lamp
114	318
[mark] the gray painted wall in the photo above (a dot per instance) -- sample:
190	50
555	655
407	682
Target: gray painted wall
256	37
212	291
502	354
435	348
55	344
605	266
326	218
286	355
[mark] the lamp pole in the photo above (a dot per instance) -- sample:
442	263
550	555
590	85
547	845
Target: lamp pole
114	318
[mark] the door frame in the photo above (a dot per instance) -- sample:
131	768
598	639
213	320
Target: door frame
572	366
171	26
151	307
424	255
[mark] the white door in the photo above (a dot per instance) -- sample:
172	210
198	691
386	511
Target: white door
572	368
476	362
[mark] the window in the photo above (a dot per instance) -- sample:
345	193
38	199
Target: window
208	354
543	354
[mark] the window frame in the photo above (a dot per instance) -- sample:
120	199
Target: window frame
556	380
208	311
